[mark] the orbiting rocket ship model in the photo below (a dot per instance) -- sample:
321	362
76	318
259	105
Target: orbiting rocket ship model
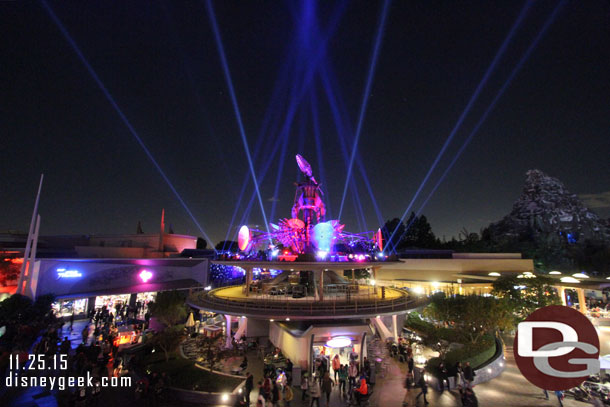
306	231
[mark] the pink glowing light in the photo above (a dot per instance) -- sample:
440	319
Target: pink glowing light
145	275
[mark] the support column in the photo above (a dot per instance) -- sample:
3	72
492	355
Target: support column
394	328
375	278
561	292
582	304
321	287
228	330
248	280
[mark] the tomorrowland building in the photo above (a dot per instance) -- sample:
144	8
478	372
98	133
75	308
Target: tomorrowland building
320	291
306	284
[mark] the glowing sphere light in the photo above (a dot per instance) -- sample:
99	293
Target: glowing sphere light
339	342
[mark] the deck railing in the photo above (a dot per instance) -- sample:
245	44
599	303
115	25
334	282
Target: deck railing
286	306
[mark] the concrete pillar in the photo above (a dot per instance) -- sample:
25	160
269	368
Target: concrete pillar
321	288
228	330
561	292
248	280
394	327
375	278
581	300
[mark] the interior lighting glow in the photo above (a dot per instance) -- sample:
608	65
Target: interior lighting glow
418	290
580	275
339	342
373	282
555	272
494	274
225	397
569	280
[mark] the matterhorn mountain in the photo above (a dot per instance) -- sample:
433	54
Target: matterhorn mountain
549	214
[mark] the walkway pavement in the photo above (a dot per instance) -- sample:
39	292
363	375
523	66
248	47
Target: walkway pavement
510	389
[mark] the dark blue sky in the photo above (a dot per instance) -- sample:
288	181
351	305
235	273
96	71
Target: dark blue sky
160	62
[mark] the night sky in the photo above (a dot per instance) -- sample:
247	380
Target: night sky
159	61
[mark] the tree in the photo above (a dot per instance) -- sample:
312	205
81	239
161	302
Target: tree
202	244
227	246
390	238
168	339
525	295
169	307
472	316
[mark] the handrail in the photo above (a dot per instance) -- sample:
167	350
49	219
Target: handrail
212	301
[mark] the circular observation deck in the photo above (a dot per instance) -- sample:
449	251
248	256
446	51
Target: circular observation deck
359	301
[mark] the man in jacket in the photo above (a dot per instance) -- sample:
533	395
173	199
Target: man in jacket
423	385
469	374
249	387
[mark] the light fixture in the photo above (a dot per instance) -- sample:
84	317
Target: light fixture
287	319
569	280
580	275
555	272
224	397
378	316
489	370
271	320
339	342
418	290
494	274
145	275
373	282
435	284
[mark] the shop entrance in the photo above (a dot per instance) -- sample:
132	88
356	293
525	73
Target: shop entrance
65	308
111	302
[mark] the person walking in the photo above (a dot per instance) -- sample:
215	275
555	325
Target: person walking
343	380
408	387
304	387
288	394
443	377
71	320
327	387
560	397
352	373
423	386
336	365
249	387
275	395
315	392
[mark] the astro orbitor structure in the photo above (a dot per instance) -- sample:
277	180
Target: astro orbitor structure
307	230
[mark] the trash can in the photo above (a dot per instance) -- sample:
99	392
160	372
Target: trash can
375	367
296	376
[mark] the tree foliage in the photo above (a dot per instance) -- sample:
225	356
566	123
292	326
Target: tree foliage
416	232
525	295
227	246
473	316
202	244
169	307
168	339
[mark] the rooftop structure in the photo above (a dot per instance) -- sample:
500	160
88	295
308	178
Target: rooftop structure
307	231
